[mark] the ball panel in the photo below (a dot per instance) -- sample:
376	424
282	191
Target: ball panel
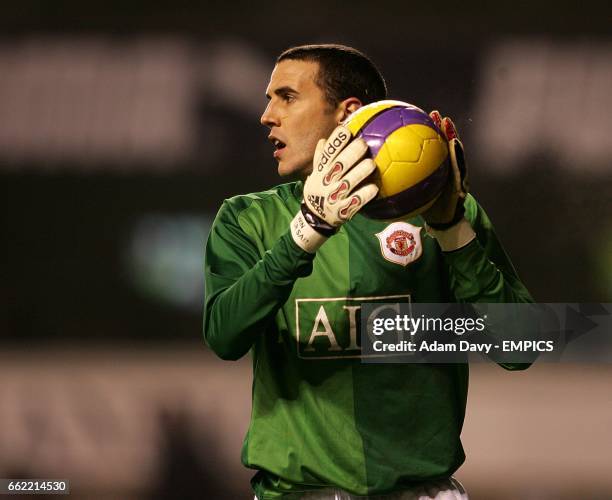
412	201
383	159
359	118
394	212
390	120
421	209
384	123
374	145
400	175
425	131
404	145
413	115
435	152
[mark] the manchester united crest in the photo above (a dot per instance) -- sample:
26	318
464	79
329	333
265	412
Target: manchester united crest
400	243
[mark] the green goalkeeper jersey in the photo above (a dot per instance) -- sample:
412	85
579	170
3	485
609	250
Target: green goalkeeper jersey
321	416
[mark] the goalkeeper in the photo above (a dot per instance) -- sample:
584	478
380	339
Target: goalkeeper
286	270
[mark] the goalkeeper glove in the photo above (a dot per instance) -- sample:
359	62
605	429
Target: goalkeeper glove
448	210
332	192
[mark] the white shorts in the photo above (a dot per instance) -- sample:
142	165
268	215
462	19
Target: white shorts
443	489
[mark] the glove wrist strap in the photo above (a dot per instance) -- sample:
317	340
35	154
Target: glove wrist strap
304	235
316	222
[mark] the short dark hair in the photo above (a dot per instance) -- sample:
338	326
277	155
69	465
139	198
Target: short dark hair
343	72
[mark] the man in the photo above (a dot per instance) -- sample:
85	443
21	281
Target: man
285	280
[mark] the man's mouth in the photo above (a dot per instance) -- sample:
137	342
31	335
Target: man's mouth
278	146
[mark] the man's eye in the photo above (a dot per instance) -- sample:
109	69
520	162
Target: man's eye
289	98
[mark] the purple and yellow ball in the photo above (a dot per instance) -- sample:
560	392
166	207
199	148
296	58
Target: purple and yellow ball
411	154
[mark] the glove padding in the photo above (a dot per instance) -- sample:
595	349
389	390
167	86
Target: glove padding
330	191
448	209
333	192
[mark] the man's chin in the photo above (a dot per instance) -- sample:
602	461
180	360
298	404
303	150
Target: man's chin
292	172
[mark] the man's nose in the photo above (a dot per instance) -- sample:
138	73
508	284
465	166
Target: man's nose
269	118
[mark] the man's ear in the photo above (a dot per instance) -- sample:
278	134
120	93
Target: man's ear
346	107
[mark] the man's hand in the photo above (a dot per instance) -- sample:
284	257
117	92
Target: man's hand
333	192
445	219
448	208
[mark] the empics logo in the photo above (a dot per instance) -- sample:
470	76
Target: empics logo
329	328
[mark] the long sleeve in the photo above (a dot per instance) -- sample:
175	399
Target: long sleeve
481	271
245	289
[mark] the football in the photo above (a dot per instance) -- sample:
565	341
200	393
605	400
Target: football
411	154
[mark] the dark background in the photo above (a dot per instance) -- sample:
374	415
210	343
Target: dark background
66	226
72	219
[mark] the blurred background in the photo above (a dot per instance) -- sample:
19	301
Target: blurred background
123	126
